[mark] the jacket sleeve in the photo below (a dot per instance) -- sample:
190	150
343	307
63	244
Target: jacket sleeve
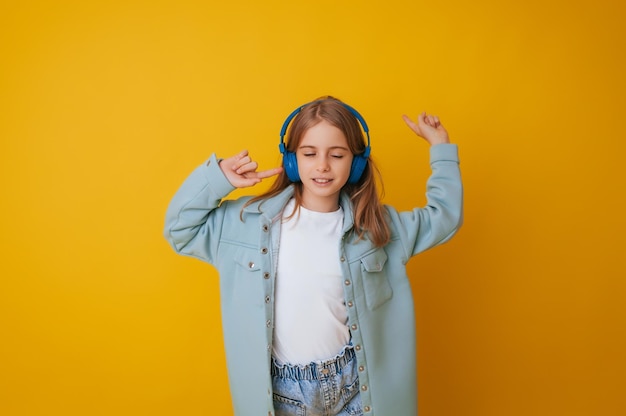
423	228
193	223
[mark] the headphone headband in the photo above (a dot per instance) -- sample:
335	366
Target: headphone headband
295	112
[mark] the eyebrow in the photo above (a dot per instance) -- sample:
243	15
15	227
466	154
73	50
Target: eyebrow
330	148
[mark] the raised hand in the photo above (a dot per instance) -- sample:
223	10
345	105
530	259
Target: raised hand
429	128
241	170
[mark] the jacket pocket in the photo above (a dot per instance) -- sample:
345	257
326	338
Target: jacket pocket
247	280
375	280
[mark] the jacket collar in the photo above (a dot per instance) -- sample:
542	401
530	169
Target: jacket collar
271	208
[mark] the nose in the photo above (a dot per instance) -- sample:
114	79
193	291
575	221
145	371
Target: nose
323	165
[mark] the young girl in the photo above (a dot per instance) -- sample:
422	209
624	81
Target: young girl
316	305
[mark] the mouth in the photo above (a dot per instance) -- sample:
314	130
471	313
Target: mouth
322	181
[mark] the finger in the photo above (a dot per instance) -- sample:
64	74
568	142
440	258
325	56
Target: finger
412	125
408	120
422	118
268	173
249	166
240	156
245	183
241	162
231	162
249	182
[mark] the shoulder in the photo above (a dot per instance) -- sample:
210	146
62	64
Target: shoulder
234	207
392	215
390	211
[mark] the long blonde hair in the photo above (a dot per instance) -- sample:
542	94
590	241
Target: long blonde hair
369	214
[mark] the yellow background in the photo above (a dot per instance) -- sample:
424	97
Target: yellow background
106	106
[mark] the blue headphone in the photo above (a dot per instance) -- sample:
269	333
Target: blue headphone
290	163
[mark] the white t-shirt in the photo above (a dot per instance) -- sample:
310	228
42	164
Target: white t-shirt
310	313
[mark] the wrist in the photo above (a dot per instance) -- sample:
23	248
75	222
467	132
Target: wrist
439	141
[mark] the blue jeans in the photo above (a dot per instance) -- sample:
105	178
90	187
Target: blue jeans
325	388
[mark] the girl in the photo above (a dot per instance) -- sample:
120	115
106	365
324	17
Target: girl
316	305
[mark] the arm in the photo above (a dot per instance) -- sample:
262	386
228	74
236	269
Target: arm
193	221
438	221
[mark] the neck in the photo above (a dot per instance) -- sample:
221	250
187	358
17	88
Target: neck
320	205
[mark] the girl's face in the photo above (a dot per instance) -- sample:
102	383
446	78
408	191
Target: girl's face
324	162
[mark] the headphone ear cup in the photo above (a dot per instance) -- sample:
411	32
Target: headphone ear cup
358	166
290	164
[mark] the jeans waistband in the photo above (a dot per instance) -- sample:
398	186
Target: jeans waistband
315	370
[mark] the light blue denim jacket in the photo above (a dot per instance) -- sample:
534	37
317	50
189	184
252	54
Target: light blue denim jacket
199	223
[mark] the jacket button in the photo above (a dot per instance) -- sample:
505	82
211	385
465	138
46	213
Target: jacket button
251	265
267	299
268	323
264	250
364	388
350	304
347	282
357	347
266	275
361	368
265	227
367	408
353	327
342	258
